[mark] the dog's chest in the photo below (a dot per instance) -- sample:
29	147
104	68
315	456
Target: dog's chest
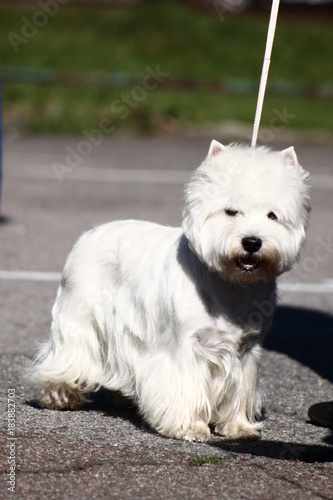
248	309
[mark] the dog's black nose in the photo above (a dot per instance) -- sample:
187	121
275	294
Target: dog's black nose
251	244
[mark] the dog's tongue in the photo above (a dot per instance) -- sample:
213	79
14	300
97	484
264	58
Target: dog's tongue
248	262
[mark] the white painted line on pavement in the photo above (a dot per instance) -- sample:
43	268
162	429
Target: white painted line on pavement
29	276
299	287
115	175
142	176
122	175
322	181
326	286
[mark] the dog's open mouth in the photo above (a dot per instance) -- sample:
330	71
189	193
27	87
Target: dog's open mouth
248	263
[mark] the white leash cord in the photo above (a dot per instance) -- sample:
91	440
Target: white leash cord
265	69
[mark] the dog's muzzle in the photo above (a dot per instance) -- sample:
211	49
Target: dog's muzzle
250	261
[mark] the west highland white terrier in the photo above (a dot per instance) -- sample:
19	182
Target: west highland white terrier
174	318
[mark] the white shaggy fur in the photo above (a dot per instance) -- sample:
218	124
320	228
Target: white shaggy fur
174	318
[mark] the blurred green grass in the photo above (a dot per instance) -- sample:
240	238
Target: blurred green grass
185	43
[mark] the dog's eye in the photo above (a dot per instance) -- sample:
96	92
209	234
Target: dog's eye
272	216
231	212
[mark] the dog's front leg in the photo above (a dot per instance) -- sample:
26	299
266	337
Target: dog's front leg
173	394
241	405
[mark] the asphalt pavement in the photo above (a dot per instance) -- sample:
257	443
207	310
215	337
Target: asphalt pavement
56	188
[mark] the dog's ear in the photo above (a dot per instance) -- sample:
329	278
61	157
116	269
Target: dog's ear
215	148
289	156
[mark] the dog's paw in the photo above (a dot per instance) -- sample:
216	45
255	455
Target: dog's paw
244	434
59	397
240	431
199	433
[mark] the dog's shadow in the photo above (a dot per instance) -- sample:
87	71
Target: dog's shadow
305	335
280	450
113	404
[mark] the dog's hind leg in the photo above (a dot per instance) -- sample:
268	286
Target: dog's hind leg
69	363
173	395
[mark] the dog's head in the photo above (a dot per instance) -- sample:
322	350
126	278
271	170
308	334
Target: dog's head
246	211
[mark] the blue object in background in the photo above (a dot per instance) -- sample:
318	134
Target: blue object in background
0	145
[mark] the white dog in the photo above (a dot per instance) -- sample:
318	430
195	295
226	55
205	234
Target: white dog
174	318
